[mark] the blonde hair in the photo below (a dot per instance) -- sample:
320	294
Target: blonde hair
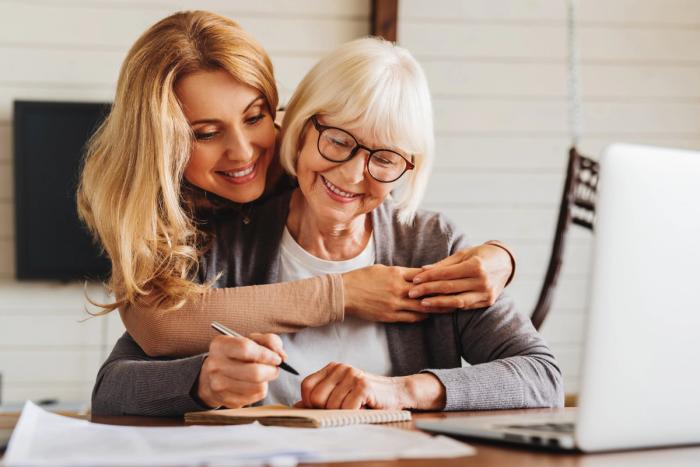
371	83
130	194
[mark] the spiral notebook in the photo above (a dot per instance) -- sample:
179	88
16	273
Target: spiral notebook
281	415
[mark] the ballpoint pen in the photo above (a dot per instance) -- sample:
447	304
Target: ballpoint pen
230	332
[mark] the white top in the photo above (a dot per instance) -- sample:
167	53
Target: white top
359	343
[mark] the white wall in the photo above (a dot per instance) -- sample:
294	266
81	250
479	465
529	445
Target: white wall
72	50
498	75
497	70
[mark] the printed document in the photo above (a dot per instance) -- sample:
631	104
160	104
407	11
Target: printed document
45	439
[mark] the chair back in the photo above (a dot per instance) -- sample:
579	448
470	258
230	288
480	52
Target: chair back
577	207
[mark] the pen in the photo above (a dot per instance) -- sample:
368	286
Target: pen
230	332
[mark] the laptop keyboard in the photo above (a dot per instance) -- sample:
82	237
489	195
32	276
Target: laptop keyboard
557	427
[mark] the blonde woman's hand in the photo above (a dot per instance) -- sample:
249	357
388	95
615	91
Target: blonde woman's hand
237	370
470	278
341	386
380	293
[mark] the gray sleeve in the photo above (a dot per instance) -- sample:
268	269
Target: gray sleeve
132	383
511	364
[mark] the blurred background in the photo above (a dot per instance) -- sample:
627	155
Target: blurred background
498	74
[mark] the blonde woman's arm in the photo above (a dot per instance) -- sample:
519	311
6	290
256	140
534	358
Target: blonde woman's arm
376	293
276	308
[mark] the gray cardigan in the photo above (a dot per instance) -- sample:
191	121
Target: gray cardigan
511	366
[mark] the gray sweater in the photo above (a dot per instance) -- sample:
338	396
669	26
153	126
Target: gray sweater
511	366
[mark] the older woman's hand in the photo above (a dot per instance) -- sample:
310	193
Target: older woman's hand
237	370
471	278
341	386
380	293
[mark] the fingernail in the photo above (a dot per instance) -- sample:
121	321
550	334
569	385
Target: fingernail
428	266
412	293
425	302
417	280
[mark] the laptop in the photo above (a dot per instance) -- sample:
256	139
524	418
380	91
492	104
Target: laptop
640	382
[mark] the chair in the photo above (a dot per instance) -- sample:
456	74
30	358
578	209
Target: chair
577	207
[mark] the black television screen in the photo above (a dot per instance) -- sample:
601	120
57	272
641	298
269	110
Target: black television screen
49	143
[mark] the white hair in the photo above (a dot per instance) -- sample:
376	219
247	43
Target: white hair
374	84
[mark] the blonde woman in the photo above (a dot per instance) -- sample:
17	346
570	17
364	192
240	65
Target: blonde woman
358	138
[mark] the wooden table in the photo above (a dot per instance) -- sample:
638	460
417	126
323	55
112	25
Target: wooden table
491	454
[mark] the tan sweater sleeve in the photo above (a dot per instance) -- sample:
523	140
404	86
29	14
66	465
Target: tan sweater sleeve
277	308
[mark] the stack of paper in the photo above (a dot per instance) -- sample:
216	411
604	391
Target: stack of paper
41	438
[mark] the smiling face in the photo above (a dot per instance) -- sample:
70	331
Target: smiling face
339	192
234	135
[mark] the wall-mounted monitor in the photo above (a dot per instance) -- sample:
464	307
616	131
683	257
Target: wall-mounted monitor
49	144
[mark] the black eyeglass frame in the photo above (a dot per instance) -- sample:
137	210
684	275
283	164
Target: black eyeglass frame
321	128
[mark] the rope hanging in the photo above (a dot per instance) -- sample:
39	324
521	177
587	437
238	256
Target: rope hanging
574	75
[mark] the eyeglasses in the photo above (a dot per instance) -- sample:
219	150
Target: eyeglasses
336	145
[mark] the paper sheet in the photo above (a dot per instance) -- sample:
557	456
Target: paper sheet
45	439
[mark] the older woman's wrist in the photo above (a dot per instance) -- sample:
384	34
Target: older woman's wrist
423	391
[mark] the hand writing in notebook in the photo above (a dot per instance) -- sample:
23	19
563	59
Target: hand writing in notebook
237	370
341	386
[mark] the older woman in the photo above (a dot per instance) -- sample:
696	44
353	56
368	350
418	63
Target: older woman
358	138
